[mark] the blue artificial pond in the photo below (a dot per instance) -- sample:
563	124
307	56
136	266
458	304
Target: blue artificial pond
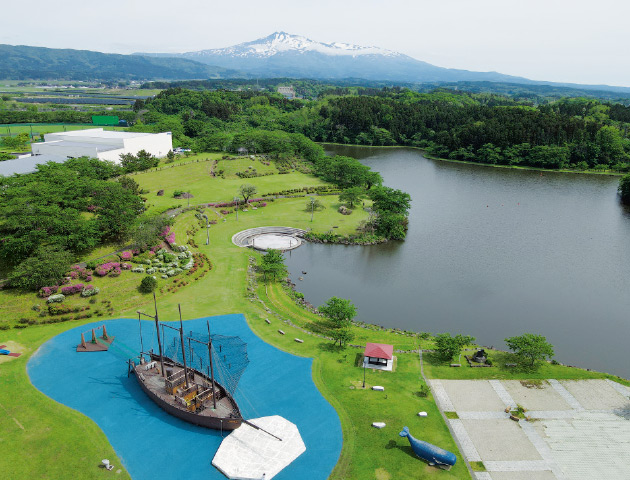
152	444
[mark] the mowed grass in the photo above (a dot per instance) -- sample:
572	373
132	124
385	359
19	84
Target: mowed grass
231	167
196	179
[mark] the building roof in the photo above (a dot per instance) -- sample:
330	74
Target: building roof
99	132
27	164
94	146
379	350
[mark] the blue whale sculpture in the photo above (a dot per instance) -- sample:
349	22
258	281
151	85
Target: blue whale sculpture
432	454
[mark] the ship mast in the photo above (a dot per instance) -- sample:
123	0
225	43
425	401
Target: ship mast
157	328
214	396
181	336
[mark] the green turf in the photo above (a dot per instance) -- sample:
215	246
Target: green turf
196	179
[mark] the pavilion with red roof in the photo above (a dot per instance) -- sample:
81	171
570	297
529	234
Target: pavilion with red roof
379	356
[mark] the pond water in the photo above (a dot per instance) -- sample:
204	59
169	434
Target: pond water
151	443
492	253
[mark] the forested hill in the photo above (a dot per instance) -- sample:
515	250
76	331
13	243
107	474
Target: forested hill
574	133
310	88
31	63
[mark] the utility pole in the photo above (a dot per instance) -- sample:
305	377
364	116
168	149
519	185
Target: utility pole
236	200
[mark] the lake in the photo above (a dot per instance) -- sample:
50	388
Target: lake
493	253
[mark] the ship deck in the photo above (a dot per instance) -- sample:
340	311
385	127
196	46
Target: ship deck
155	382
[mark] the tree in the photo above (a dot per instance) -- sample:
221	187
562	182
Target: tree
352	195
530	348
17	142
247	190
448	346
341	335
314	204
390	200
339	311
624	188
272	263
130	184
146	231
148	284
143	160
46	267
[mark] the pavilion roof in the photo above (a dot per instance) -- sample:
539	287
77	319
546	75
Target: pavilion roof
379	350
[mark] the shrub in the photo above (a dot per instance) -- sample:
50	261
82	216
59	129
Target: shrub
148	284
45	267
138	270
89	291
45	292
56	298
126	255
72	289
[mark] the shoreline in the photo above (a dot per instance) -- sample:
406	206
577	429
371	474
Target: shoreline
301	301
481	164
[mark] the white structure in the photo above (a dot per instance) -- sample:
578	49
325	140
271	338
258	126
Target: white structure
103	144
287	92
250	454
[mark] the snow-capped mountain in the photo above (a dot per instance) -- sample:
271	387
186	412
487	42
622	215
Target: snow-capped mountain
280	42
285	55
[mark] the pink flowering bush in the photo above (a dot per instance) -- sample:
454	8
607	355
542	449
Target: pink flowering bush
72	289
126	266
73	275
45	292
105	268
126	255
168	235
88	278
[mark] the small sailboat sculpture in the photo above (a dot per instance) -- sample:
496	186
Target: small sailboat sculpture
432	454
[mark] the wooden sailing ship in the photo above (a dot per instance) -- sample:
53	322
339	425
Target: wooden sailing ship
183	391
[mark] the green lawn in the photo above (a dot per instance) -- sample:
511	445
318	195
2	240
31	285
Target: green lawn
232	167
196	179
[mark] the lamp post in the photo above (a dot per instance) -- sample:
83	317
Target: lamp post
236	200
207	229
363	372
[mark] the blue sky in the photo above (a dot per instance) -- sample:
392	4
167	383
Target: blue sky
556	40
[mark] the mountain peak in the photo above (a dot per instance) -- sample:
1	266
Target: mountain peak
283	42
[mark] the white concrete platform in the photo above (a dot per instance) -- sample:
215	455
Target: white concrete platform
248	453
275	241
581	429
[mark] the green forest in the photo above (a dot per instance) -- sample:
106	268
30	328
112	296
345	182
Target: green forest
575	133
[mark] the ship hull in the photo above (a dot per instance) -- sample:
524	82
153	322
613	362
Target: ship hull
216	422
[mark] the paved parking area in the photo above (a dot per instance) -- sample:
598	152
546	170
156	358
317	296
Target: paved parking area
578	429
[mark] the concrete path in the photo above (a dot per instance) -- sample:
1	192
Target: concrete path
579	429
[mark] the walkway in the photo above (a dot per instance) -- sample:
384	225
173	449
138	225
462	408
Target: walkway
578	429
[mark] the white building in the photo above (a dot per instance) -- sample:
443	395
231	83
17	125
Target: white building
103	144
287	92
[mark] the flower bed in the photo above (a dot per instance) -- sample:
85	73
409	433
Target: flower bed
72	289
46	292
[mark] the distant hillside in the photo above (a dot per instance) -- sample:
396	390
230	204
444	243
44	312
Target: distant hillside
33	63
